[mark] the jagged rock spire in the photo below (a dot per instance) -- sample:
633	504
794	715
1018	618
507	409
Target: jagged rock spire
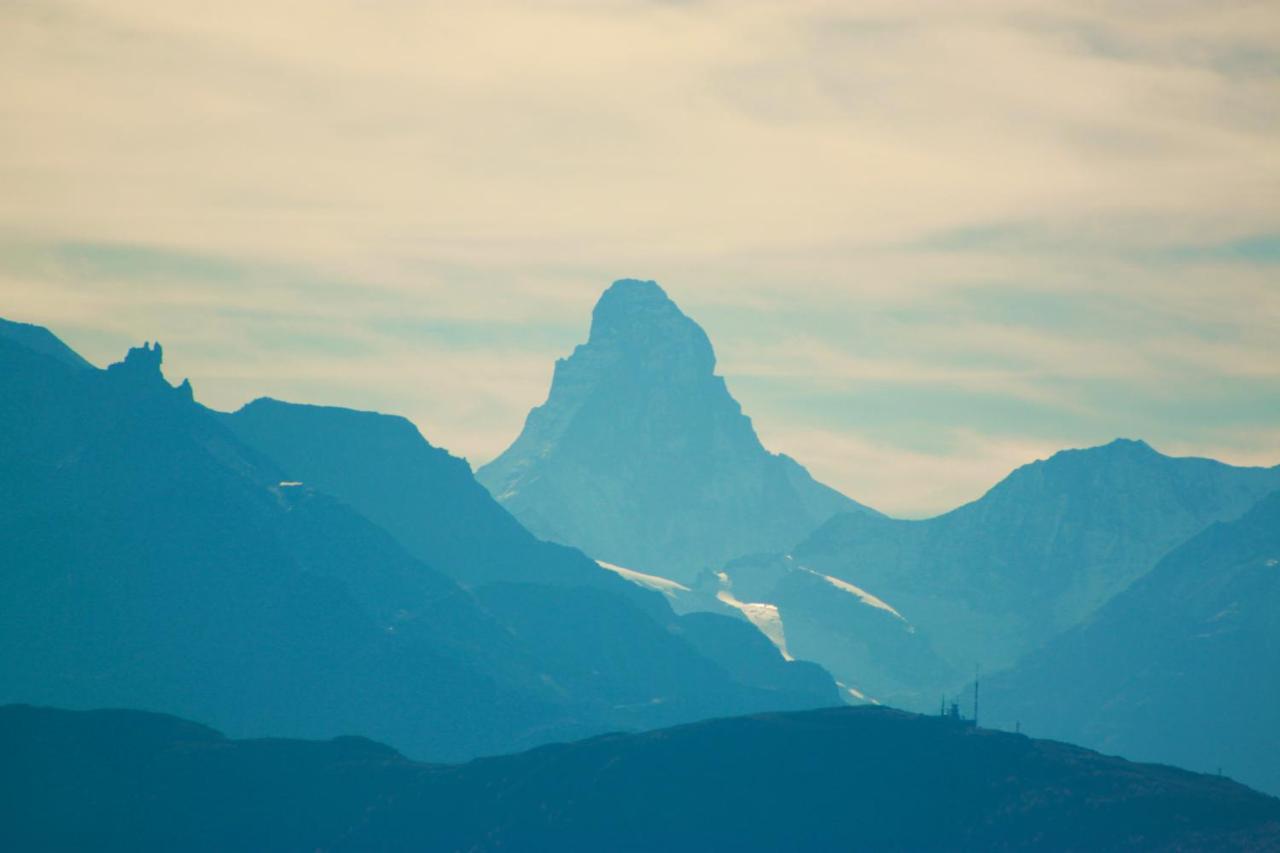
140	361
141	367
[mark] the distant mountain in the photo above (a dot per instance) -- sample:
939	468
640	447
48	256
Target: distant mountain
1035	556
41	340
429	500
875	651
641	457
1184	666
836	779
153	559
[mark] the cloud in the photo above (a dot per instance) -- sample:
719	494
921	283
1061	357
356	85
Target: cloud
343	129
1052	215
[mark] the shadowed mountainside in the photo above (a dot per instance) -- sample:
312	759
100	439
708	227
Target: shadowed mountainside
1184	666
991	580
425	497
383	467
154	560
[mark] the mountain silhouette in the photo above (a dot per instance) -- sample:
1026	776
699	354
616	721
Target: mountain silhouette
152	560
1184	666
155	560
1035	556
424	496
40	340
384	468
834	779
641	457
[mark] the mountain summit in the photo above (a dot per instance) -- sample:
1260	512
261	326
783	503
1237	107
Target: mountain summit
637	319
641	457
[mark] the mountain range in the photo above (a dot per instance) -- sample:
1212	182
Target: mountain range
900	611
989	582
1183	666
635	560
155	560
1041	551
833	779
382	466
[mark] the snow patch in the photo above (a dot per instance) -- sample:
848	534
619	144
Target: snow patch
857	694
764	616
864	596
666	586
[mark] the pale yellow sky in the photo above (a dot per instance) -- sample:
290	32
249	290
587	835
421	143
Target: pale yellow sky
930	240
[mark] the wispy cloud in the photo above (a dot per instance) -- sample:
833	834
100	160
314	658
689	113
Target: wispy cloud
1055	216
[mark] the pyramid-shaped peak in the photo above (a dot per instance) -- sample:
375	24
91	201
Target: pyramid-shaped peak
1129	445
638	317
641	457
634	291
1120	448
630	302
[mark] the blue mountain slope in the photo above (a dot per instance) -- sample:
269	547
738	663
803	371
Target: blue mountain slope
641	457
41	340
153	559
1184	666
427	498
387	471
1035	556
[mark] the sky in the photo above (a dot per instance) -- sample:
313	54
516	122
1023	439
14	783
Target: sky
931	241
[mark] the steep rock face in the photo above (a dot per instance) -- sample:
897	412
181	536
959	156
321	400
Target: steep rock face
1184	666
1040	552
834	779
642	458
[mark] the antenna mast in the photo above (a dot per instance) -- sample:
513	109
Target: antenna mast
977	671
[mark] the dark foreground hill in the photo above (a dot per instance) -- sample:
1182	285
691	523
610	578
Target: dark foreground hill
836	779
